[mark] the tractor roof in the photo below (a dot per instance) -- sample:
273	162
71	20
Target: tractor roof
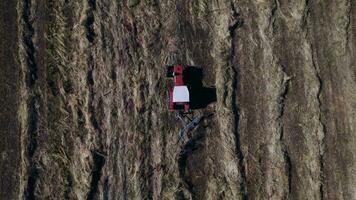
180	94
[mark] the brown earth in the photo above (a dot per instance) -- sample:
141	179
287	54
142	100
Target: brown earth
84	115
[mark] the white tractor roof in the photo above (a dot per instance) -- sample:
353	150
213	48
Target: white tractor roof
180	94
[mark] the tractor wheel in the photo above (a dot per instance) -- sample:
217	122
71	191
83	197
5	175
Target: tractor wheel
170	71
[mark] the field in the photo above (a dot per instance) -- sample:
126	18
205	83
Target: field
84	112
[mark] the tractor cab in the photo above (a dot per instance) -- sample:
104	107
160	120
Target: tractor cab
179	93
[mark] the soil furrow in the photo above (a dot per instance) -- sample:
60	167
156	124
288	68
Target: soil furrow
320	118
28	32
146	184
69	187
32	102
99	162
91	37
89	24
280	120
32	146
186	151
316	69
289	169
236	24
348	24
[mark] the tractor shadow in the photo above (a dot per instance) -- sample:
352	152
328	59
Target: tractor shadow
200	96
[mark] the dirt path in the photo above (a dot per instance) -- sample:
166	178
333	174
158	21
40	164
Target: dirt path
87	81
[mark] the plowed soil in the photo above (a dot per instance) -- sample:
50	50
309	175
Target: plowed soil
83	105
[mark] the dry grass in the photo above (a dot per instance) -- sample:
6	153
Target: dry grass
101	91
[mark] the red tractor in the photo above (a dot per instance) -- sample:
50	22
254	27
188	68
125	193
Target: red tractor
179	94
180	99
